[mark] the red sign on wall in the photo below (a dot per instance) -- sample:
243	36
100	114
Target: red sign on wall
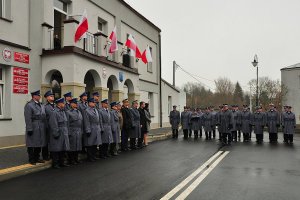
20	89
20	80
21	57
20	72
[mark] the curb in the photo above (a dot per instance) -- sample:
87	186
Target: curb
25	169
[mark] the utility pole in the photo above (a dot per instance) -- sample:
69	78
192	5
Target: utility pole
174	69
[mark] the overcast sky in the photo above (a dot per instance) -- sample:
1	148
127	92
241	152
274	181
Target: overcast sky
219	38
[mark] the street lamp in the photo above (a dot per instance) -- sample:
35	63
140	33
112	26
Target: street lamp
255	64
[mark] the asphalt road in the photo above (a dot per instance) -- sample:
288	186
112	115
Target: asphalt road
248	171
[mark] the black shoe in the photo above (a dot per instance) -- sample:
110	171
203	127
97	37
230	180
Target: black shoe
40	161
32	163
64	165
56	167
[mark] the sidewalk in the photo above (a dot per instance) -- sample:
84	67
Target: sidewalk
14	160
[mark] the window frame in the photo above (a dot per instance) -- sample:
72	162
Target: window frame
59	10
2	92
2	14
150	65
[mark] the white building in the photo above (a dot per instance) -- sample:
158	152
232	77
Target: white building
290	77
39	52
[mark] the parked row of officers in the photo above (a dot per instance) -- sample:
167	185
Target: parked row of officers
231	122
67	125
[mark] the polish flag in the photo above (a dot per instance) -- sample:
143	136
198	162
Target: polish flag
82	27
134	50
114	41
147	57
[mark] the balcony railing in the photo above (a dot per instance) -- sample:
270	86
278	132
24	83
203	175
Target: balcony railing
90	44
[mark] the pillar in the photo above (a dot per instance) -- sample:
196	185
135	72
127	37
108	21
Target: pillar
44	89
103	92
76	88
117	95
133	96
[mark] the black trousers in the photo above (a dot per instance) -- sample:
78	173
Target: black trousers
190	132
103	150
113	149
227	138
33	154
239	134
175	133
259	138
91	152
288	138
214	133
273	137
132	143
195	134
234	135
140	141
73	157
58	158
246	136
208	135
185	133
45	153
124	139
220	136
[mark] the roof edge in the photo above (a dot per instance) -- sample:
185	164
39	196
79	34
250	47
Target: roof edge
171	86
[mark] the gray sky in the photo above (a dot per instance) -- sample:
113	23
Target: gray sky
219	38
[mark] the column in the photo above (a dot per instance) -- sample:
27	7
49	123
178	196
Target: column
76	88
44	89
103	92
117	95
133	96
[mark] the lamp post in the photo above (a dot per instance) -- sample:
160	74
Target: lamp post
255	64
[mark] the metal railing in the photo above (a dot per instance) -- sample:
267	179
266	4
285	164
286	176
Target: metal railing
55	42
90	43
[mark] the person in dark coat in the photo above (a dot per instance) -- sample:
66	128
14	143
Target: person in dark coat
185	122
49	108
127	124
273	123
75	122
92	130
226	121
59	135
83	104
288	125
148	119
35	120
68	98
190	123
195	123
143	122
207	123
259	122
106	133
236	122
135	132
115	128
174	121
246	126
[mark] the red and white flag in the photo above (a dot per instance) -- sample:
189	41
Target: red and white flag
82	27
114	41
146	56
134	50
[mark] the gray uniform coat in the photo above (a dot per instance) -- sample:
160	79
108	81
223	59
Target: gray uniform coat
115	126
207	121
91	123
82	106
67	106
214	116
35	120
195	121
59	133
226	120
106	126
246	117
272	121
288	122
136	124
75	121
236	120
185	120
258	121
49	108
175	119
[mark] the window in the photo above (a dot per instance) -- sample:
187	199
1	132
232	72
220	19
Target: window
149	65
1	91
5	9
1	8
60	5
102	25
169	104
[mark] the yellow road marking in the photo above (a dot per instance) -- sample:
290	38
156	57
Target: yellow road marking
20	167
15	146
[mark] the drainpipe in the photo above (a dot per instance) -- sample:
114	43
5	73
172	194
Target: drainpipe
160	92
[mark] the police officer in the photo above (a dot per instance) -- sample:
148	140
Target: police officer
68	98
175	121
49	108
127	124
92	130
190	123
35	120
201	122
214	121
119	107
75	120
288	125
236	122
226	121
106	133
195	123
83	104
59	135
246	126
96	96
136	125
218	121
185	121
273	123
143	122
259	122
207	123
115	128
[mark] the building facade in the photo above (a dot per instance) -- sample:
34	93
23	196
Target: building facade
39	52
290	77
